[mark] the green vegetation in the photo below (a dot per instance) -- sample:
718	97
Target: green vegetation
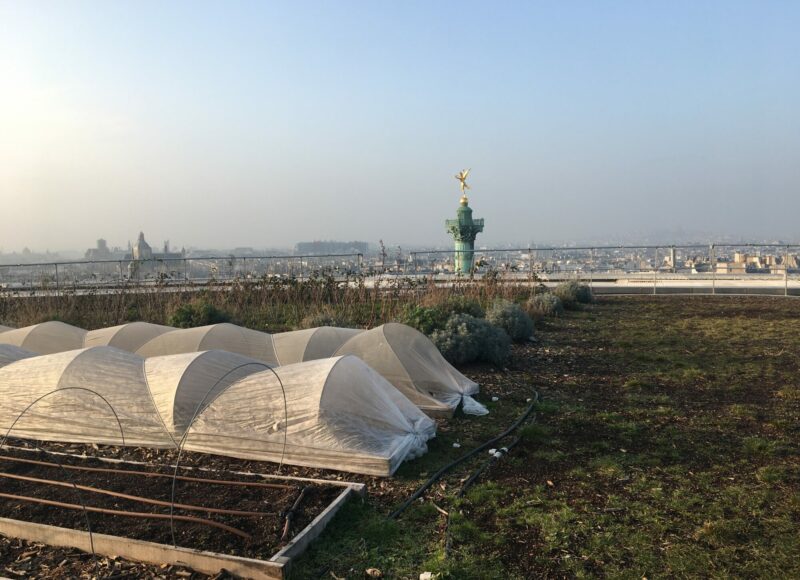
325	317
429	319
667	444
270	303
466	339
573	294
197	312
512	318
458	328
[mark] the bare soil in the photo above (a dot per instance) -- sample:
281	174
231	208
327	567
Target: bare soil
265	530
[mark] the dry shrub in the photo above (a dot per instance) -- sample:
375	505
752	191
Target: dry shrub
544	305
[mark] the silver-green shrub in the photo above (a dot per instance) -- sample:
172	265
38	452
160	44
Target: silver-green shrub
544	305
428	319
512	318
467	339
573	293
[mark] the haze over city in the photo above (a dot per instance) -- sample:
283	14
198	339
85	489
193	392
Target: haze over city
264	124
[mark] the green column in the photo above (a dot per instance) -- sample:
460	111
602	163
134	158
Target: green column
464	229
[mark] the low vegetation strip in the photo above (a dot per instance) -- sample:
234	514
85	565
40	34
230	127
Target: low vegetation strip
271	303
667	445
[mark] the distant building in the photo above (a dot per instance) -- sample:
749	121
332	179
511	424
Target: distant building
100	252
142	260
766	264
29	257
141	249
723	267
671	260
330	247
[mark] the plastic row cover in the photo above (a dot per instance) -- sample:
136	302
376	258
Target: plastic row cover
337	413
53	336
10	353
46	338
412	363
401	354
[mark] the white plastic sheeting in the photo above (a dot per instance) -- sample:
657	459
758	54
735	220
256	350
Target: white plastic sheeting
337	412
350	416
10	353
311	343
45	338
235	339
4	328
181	385
130	337
82	390
401	354
412	363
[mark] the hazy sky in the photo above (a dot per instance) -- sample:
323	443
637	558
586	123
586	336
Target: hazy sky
262	124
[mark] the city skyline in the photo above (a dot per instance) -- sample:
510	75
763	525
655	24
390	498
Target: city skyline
348	121
664	238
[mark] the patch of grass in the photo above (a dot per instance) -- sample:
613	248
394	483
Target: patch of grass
776	474
361	538
633	383
535	434
606	467
789	393
486	494
759	447
546	407
742	411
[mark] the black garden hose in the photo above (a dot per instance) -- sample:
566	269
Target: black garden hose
436	476
502	452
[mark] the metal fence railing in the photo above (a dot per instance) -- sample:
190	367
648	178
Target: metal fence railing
113	274
693	268
689	268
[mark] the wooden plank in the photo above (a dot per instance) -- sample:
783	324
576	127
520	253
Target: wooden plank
300	542
150	552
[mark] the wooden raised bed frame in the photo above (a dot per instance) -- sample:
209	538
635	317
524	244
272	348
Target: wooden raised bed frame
276	568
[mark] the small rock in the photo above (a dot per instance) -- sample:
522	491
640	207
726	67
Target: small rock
374	573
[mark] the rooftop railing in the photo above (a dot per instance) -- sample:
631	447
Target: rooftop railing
659	268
